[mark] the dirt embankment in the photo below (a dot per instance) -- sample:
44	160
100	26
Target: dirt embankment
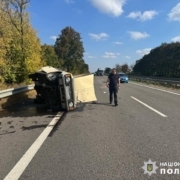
20	97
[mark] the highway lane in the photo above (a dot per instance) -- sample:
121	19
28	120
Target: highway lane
100	141
166	103
20	126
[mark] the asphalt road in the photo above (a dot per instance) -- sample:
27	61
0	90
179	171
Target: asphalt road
96	141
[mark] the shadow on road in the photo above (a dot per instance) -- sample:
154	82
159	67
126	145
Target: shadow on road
7	132
33	127
80	107
25	116
26	109
101	103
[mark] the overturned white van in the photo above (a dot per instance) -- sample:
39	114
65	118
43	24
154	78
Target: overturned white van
59	88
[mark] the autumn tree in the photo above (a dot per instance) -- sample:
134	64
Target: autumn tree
18	17
69	49
5	39
23	50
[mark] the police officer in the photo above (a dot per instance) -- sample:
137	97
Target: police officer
113	83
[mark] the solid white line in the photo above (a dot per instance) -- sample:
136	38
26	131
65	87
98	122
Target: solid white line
156	89
21	165
161	114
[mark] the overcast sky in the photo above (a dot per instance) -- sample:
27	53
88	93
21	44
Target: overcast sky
112	31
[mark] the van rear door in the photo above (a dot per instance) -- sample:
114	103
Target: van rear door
84	88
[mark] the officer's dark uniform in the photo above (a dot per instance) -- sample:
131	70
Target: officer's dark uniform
113	87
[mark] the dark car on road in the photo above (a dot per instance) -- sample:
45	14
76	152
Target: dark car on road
123	77
100	72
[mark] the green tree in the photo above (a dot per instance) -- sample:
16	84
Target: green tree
162	61
69	49
107	70
49	56
131	68
118	68
125	68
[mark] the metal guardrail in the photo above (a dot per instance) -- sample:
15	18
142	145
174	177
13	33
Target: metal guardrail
9	92
153	77
162	80
169	81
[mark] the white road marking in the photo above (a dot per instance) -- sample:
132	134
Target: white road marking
161	114
21	165
156	89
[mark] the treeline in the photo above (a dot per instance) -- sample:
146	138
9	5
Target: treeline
125	68
162	61
21	52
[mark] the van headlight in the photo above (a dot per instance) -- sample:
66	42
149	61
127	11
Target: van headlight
71	104
51	76
68	79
